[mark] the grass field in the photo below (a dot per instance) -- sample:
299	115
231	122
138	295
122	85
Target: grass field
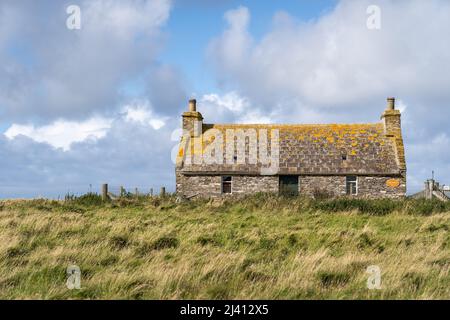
261	247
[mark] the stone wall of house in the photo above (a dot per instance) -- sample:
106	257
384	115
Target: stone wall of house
368	186
211	185
252	184
382	187
205	185
333	185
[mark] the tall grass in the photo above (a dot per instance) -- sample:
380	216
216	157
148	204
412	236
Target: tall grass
262	246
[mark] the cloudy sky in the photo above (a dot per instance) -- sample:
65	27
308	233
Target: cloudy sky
80	107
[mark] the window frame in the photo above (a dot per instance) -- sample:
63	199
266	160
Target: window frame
222	182
349	183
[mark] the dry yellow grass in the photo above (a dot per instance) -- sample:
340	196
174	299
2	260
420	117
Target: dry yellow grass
252	249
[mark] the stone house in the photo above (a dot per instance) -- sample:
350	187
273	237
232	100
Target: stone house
355	160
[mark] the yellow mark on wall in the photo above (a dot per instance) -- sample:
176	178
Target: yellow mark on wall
393	183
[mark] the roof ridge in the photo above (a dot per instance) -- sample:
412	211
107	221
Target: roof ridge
293	124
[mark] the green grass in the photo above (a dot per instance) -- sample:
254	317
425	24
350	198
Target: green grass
260	247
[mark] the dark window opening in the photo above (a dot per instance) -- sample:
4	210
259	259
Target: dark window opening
344	157
351	185
226	184
288	185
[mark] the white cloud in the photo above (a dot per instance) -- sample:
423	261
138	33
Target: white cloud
336	60
230	107
231	101
235	43
53	72
140	111
62	133
125	19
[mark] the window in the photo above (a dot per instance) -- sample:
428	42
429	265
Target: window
344	157
351	185
288	185
226	184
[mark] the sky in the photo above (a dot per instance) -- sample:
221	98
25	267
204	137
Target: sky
102	103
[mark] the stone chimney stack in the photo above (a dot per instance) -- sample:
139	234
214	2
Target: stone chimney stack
192	105
391	119
393	128
192	119
390	104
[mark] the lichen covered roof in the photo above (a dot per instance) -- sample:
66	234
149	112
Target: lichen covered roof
321	149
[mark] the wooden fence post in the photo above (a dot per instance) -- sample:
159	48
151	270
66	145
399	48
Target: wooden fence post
162	193
104	191
122	191
136	191
151	192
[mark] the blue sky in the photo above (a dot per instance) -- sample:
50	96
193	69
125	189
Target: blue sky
193	23
103	103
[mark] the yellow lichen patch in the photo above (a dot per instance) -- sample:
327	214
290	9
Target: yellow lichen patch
180	152
317	135
393	183
353	153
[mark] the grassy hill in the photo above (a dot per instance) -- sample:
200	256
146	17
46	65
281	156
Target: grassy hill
262	247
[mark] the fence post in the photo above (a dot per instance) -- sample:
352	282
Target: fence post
122	191
104	191
162	193
151	192
136	191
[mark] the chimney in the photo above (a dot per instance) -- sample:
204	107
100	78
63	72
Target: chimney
192	105
390	104
393	129
391	119
192	119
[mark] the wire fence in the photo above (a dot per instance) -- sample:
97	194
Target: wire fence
119	191
63	193
114	191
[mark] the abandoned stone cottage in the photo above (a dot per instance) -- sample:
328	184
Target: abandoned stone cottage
356	160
